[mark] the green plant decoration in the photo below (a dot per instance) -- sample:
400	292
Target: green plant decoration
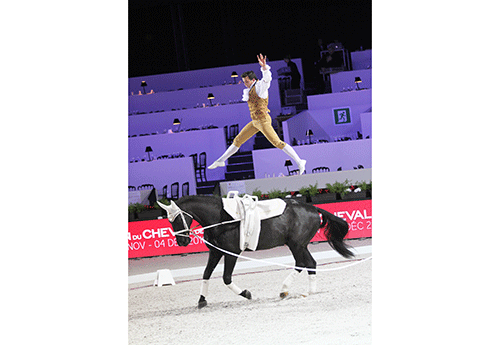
338	187
363	185
303	191
313	190
276	193
135	208
257	193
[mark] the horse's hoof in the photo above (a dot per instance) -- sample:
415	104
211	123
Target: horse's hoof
246	294
283	294
202	304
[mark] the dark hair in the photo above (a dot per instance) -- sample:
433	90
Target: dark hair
250	74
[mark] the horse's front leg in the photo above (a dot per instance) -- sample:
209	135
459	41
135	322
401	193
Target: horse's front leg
229	263
214	257
287	283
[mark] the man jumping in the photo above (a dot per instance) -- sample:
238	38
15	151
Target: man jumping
257	96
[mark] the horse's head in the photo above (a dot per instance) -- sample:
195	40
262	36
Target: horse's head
181	222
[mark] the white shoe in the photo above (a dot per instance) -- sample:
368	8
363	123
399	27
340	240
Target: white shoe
302	166
217	164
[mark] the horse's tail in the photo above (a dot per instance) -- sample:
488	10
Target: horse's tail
335	230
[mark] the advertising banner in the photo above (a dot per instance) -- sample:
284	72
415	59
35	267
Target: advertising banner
155	237
358	214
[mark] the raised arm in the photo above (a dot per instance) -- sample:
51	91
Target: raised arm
266	73
262	61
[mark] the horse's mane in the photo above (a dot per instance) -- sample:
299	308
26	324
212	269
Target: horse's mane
207	204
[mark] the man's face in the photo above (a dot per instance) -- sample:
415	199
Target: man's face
247	81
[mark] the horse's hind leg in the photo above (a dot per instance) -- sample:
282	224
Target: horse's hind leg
214	257
229	263
311	263
298	254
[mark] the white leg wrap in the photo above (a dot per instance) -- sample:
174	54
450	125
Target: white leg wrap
289	280
204	287
312	283
234	288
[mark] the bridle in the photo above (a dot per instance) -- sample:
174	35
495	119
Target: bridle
171	219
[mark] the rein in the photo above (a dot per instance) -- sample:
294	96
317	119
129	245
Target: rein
191	231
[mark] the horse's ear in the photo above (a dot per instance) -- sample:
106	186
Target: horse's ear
166	207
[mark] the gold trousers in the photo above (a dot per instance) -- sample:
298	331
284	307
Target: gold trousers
255	126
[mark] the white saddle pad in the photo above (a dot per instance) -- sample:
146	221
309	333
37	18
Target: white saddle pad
251	211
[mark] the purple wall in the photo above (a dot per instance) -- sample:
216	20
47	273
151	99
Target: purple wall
330	100
211	141
346	154
191	98
321	122
162	172
190	118
361	59
366	124
184	98
344	80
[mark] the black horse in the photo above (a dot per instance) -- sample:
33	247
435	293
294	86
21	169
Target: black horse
295	227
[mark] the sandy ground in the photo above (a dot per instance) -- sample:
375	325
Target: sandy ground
339	313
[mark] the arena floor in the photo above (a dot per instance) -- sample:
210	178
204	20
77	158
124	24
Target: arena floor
339	313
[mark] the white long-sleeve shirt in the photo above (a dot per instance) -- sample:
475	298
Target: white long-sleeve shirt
261	86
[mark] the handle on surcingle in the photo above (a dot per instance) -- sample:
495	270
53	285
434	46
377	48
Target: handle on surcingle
232	194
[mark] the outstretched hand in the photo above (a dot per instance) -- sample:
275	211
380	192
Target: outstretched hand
262	61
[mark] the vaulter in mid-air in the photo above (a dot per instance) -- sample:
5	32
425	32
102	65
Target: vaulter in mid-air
257	96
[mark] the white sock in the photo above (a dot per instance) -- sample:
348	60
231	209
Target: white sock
289	280
312	283
204	287
291	152
231	150
234	288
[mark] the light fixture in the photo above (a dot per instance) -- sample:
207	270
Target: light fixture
234	75
177	122
210	97
288	164
309	133
149	150
144	84
357	80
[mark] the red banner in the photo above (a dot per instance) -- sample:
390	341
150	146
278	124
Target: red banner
358	214
155	237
